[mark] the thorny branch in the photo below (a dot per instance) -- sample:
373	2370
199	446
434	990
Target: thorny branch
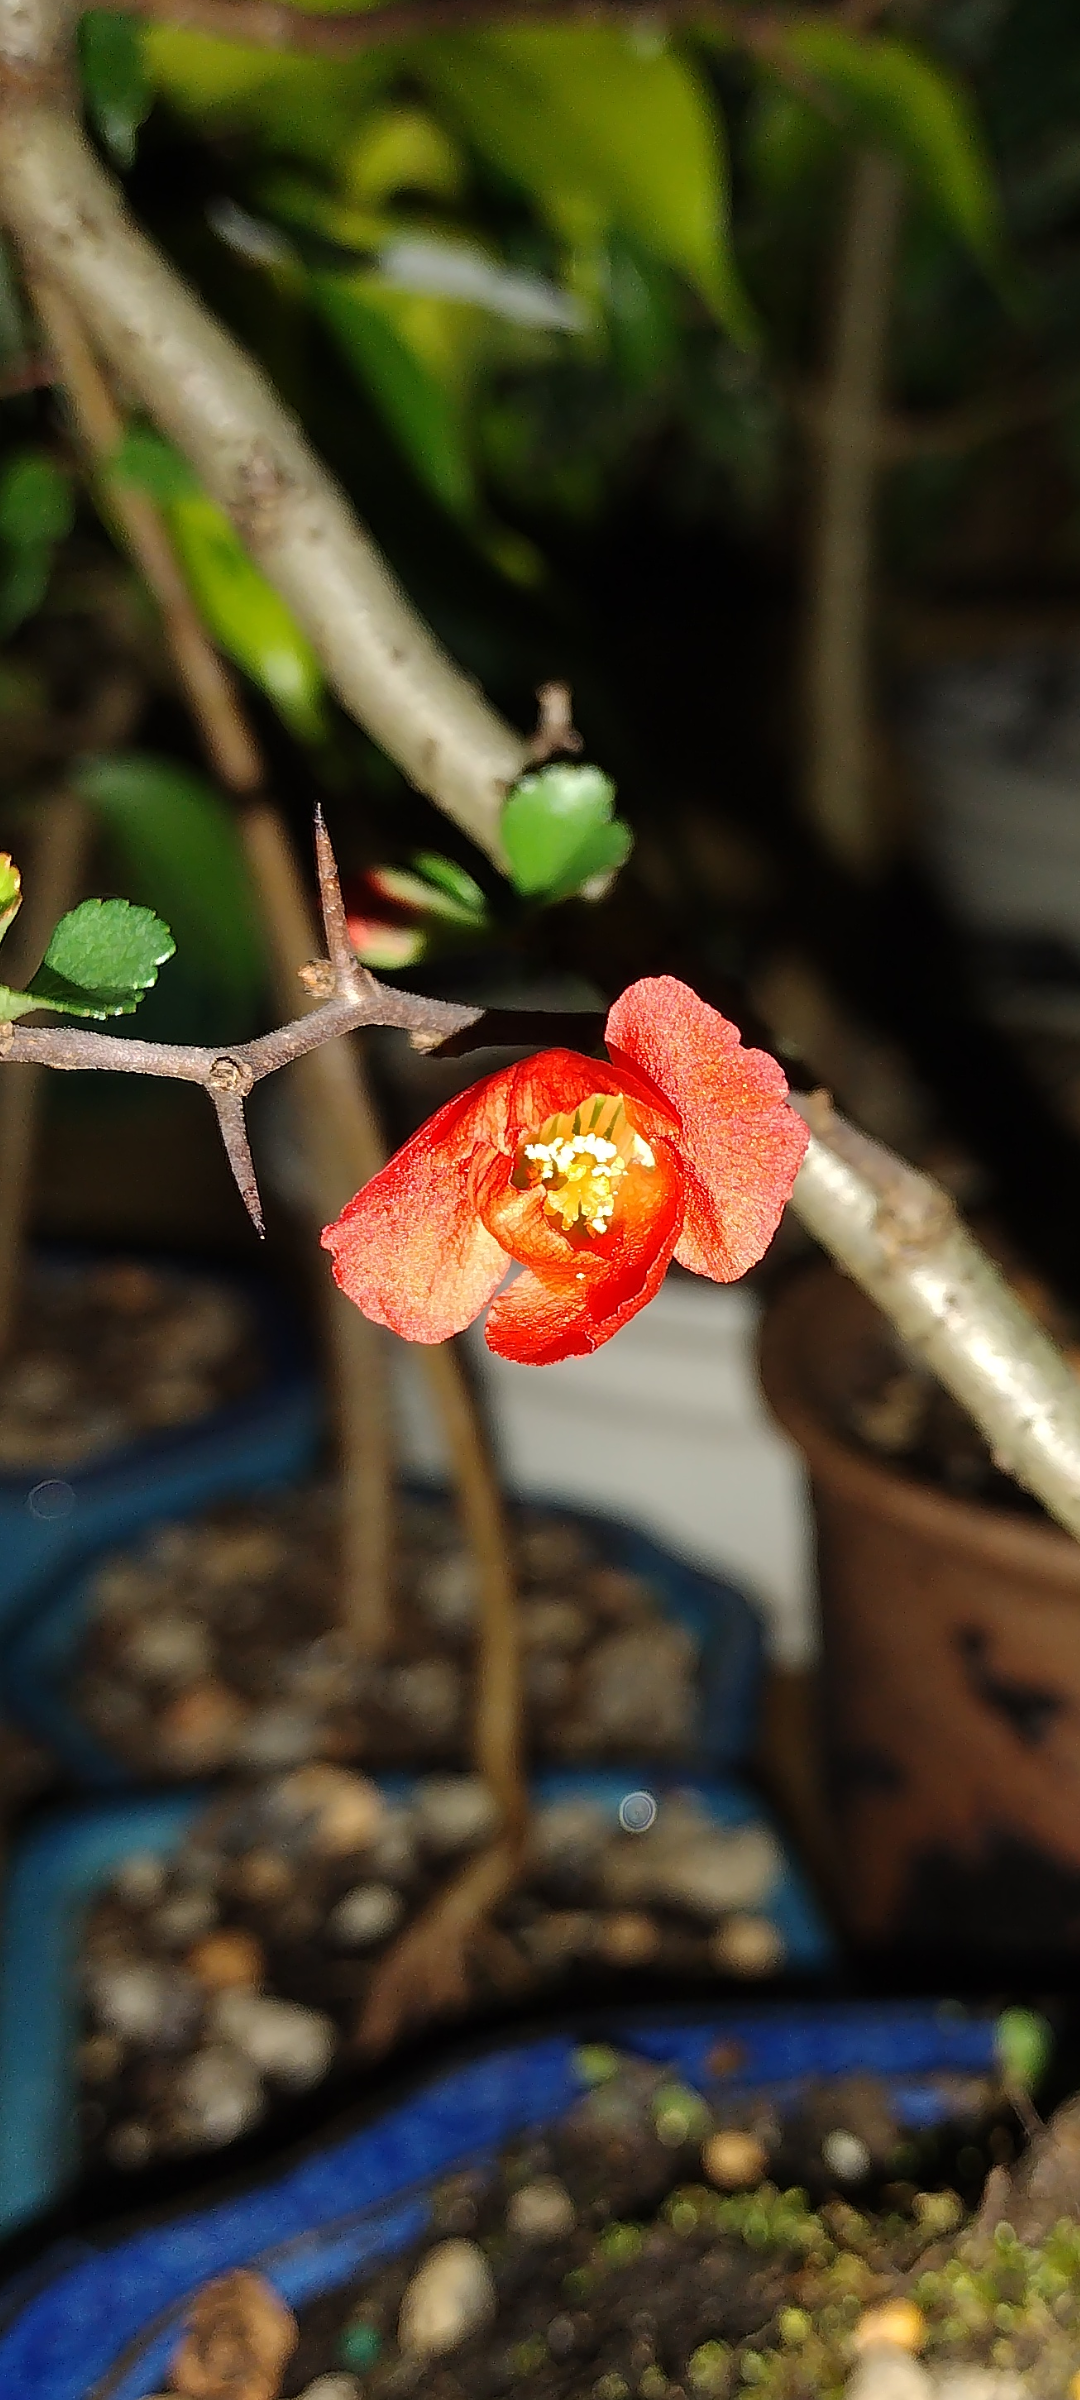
352	998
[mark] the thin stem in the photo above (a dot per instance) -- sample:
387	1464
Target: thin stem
840	716
61	840
206	682
497	1737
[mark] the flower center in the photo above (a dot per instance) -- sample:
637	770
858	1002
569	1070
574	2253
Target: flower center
580	1159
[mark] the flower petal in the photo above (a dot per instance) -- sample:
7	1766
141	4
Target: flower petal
540	1319
570	1300
742	1144
411	1249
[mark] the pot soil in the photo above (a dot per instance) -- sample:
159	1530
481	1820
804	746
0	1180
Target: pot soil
225	1979
216	1644
951	1628
651	2242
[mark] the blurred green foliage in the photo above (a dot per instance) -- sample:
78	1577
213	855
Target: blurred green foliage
508	278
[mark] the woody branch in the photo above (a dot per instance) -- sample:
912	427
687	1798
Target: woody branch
352	998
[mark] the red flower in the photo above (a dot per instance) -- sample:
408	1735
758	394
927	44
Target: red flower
592	1174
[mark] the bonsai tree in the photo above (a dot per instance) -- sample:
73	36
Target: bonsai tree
590	1172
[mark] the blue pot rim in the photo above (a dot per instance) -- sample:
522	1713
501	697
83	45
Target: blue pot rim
57	1868
103	2327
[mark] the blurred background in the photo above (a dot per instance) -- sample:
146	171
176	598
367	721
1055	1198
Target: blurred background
723	365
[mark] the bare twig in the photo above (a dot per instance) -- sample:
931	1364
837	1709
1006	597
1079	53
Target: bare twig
100	428
898	1235
556	734
61	835
840	717
426	1973
70	224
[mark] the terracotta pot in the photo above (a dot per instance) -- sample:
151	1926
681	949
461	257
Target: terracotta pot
951	1685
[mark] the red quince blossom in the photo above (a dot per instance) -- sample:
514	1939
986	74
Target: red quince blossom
592	1173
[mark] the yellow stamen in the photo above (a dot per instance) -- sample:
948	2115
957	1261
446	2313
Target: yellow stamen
580	1158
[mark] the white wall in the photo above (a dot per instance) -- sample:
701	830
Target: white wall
666	1426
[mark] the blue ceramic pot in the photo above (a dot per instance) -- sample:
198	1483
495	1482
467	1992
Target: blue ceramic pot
109	2320
57	1871
271	1435
39	1664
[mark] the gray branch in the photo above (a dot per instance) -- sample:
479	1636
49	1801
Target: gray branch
898	1235
200	388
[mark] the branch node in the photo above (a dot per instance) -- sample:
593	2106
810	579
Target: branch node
229	1078
7	1037
319	978
556	735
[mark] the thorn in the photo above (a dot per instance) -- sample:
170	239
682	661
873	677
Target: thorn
556	735
229	1109
335	922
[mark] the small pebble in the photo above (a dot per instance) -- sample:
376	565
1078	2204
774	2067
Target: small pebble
541	2211
638	1692
141	2001
290	2044
733	2160
100	2057
183	1918
230	1959
746	1945
342	1812
129	2146
627	1939
262	1876
987	2383
896	2321
846	2155
450	2296
429	1695
454	1812
885	2372
365	1916
447	1591
140	1879
166	1649
198	1731
277	1737
553	1625
701	1869
332	2387
217	2095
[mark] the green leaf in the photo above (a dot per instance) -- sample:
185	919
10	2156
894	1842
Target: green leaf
557	830
453	880
24	581
424	410
100	961
1024	2044
603	132
895	94
153	466
115	81
247	616
10	891
177	844
302	108
36	502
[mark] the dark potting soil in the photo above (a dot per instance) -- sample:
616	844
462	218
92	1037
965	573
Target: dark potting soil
223	1982
654	2243
115	1352
217	1643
